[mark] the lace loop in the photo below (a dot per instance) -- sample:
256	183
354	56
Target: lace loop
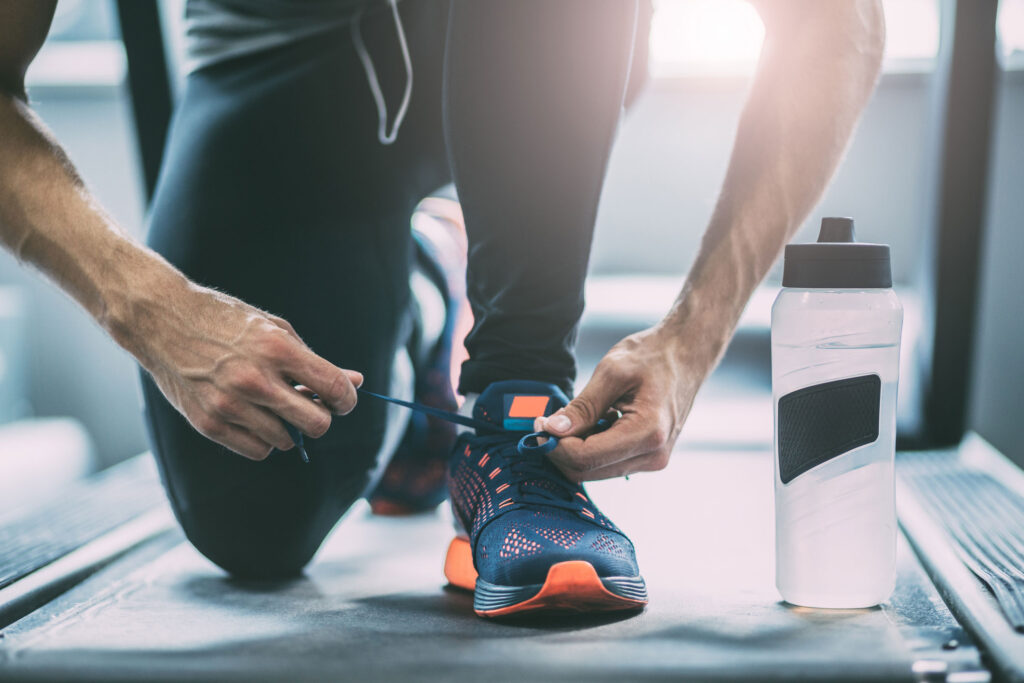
525	447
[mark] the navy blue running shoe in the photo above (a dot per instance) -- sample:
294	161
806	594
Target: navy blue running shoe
535	541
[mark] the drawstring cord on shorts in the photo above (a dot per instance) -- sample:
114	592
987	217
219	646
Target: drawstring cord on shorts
385	137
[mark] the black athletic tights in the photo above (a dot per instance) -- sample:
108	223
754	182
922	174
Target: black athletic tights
275	189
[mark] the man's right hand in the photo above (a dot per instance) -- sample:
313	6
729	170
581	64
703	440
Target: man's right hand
231	369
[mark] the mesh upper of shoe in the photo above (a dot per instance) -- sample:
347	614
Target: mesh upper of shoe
519	547
523	515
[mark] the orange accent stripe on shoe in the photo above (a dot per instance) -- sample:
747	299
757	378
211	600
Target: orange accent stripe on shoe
458	564
483	460
495	472
572	586
528	406
501	488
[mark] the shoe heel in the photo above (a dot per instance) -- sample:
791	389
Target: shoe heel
458	564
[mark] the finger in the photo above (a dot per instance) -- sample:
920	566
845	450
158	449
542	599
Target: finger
286	326
608	419
244	443
583	412
265	426
335	386
354	376
308	393
310	417
630	436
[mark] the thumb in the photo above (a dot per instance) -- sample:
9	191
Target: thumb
583	412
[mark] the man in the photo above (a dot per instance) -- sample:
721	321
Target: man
276	190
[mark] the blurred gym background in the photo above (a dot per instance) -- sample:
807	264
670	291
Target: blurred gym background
69	402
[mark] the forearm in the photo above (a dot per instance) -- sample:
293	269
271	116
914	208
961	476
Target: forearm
48	219
812	84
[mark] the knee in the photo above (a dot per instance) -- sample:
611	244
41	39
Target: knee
254	546
244	560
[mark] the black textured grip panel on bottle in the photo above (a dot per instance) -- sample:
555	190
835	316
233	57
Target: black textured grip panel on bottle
820	422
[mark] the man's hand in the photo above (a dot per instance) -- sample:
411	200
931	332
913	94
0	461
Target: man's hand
230	369
652	383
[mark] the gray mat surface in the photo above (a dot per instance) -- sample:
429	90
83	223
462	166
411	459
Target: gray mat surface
373	607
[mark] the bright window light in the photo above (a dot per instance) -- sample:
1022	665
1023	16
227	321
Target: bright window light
911	30
711	36
723	37
1011	29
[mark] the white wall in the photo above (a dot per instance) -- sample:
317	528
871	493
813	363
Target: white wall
672	153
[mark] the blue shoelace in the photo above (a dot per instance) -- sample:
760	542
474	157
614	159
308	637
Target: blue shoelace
530	473
529	444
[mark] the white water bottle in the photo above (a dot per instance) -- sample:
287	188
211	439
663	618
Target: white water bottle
836	329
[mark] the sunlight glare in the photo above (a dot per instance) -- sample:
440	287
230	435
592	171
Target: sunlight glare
709	34
1011	27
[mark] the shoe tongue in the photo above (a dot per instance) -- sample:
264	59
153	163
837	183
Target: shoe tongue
513	404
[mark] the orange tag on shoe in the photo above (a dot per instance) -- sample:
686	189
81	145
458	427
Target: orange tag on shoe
520	411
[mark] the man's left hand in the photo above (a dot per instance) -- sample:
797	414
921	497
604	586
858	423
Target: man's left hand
647	378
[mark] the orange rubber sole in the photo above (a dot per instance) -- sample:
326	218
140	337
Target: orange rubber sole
458	564
570	587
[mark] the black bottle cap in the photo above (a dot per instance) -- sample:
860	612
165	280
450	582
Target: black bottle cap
837	260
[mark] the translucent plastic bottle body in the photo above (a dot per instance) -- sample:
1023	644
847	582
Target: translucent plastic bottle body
835	524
